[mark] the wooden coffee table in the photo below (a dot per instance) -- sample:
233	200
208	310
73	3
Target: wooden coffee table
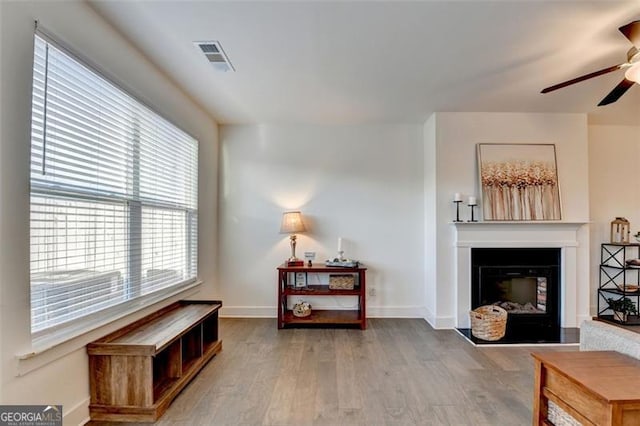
595	388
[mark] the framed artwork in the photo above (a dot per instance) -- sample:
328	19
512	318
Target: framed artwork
519	182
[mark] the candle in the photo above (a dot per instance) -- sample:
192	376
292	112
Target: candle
472	201
457	196
339	243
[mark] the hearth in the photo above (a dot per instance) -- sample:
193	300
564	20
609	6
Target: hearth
526	283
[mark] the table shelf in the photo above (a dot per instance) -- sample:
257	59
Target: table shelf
320	290
325	316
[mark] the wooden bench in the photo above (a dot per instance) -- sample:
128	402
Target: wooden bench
594	388
136	371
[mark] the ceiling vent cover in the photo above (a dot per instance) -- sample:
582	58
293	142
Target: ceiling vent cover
213	52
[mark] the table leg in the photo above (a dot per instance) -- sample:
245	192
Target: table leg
540	404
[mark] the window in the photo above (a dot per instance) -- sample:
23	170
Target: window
113	196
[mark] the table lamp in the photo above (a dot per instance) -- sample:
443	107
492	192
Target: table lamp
291	224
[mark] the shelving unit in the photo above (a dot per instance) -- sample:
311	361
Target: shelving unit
616	277
334	317
136	371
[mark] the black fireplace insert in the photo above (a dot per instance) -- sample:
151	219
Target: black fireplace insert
523	281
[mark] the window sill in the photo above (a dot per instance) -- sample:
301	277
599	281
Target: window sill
64	342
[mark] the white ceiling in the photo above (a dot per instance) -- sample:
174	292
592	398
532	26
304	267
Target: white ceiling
386	62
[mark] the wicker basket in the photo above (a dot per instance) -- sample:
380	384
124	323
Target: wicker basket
558	417
488	322
301	310
341	282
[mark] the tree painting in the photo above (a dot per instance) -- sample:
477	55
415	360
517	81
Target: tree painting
519	182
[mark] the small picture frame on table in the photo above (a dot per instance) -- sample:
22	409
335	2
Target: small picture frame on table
301	279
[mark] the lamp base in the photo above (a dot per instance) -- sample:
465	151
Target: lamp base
296	262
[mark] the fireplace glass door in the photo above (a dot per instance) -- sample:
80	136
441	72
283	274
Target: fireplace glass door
517	290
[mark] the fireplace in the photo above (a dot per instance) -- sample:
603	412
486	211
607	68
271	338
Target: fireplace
523	281
568	243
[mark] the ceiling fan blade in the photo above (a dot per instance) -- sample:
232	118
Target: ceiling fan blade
581	78
617	91
632	32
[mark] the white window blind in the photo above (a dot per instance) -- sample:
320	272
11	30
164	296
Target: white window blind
113	195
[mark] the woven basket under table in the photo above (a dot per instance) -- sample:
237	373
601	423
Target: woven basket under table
488	322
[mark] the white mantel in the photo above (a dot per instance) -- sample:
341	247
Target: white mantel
574	281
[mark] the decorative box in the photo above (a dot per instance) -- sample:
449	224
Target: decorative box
342	282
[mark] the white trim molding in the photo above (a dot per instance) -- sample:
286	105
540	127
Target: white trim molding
78	414
248	312
395	311
441	323
567	236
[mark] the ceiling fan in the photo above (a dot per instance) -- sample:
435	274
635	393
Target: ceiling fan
632	74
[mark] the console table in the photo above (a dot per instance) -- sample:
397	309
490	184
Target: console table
289	286
593	387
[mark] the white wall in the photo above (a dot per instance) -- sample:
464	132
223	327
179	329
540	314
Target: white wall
382	188
362	183
430	218
456	137
60	375
614	154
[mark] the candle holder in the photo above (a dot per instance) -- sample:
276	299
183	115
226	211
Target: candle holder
341	255
457	210
472	217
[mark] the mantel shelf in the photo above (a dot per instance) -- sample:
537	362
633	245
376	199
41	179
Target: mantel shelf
518	233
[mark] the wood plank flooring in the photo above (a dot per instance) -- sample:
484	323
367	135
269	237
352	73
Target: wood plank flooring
397	372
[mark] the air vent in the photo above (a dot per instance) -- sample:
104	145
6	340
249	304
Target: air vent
214	53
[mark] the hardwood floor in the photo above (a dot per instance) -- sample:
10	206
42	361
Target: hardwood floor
397	372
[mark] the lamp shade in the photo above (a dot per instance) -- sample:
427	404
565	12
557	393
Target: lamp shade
291	223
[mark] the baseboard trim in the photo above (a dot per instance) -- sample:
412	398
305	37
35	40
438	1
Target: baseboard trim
78	415
248	312
372	311
429	317
583	318
440	323
395	312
